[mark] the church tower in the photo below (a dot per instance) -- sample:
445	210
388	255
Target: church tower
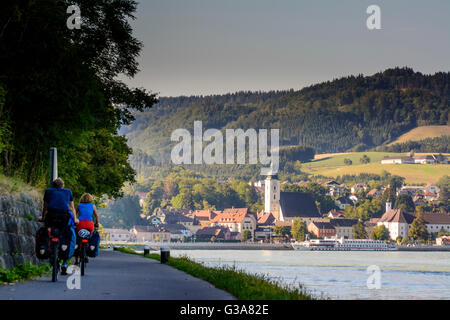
272	195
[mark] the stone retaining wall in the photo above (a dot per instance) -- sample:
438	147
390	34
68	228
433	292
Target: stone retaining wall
18	226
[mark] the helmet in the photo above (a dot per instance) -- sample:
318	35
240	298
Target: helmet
84	233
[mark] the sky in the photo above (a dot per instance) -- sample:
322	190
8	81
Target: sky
201	47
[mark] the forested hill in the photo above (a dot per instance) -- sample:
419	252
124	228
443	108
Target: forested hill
350	113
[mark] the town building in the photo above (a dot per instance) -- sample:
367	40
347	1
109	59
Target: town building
177	231
344	227
285	206
399	222
236	219
263	233
431	188
374	193
117	235
334	189
335	214
204	217
150	234
218	232
358	187
411	190
343	202
321	229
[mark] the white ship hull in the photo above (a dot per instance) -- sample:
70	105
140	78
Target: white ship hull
343	245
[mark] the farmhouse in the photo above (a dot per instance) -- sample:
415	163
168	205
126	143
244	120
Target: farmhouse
397	160
424	159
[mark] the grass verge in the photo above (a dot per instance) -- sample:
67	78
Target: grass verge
23	272
239	283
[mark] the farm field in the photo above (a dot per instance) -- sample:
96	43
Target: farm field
424	132
333	166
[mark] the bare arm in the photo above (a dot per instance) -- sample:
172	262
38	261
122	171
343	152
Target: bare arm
72	208
44	211
96	215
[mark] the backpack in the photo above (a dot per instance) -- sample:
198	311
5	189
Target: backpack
94	243
42	248
67	243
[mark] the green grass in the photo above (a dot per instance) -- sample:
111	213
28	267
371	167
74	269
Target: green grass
338	160
333	166
15	186
239	283
23	272
413	173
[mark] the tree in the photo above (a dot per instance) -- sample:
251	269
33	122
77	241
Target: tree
246	235
444	192
380	233
298	229
365	159
418	229
123	213
405	203
280	231
400	240
64	92
359	231
348	162
443	233
183	200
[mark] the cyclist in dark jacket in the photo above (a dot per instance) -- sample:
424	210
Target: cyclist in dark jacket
59	210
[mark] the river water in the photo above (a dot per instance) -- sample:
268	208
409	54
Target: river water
343	275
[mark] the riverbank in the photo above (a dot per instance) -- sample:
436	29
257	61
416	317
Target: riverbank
155	246
240	284
205	245
342	274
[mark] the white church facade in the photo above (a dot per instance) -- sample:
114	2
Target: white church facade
285	206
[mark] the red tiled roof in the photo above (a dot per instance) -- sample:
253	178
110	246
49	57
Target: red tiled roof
266	218
236	210
229	217
397	215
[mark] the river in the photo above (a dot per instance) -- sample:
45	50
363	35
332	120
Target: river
343	275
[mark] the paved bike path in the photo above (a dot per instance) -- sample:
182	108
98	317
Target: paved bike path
119	276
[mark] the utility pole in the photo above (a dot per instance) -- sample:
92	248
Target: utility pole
53	164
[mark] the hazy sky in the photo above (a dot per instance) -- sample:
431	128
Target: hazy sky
219	46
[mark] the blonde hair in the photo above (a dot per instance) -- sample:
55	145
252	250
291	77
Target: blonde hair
86	198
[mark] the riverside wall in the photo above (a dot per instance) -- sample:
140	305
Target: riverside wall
18	226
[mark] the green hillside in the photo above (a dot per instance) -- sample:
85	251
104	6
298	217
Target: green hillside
333	166
353	113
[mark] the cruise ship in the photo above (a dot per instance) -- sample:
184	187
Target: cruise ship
342	244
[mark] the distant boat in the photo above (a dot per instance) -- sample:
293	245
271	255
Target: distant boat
343	245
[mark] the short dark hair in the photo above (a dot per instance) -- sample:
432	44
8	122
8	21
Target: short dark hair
58	183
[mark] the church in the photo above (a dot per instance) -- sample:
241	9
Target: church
285	206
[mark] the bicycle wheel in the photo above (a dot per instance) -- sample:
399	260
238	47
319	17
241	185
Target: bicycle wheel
55	262
83	257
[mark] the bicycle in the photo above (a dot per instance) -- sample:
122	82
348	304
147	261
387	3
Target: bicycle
84	236
54	255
